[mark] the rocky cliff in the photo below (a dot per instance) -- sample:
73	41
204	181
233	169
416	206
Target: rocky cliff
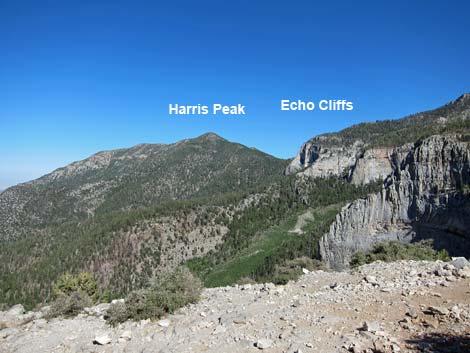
362	152
329	155
426	196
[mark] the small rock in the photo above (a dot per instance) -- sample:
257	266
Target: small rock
102	340
456	311
264	343
464	272
451	279
438	310
142	323
164	323
126	335
371	279
8	332
370	326
412	313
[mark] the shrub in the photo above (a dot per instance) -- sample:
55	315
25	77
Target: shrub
83	282
164	295
117	313
73	293
69	305
106	296
394	251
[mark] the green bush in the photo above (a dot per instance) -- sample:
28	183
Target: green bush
164	295
83	282
394	251
69	305
73	293
118	313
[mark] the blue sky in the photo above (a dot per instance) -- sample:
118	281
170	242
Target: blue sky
77	77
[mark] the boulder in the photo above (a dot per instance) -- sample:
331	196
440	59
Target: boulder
16	310
460	262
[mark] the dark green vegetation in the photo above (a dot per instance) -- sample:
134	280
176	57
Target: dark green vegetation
73	294
115	214
268	256
259	243
124	249
163	295
394	251
83	282
69	305
453	117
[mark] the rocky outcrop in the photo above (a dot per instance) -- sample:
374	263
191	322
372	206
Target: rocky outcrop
325	155
373	165
424	197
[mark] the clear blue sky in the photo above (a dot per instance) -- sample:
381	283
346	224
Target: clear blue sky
77	77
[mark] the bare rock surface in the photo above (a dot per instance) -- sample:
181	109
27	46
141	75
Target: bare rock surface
405	306
423	198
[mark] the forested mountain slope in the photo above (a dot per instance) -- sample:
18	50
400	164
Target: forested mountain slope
131	178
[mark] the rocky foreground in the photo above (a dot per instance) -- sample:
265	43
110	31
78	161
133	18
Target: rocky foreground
405	306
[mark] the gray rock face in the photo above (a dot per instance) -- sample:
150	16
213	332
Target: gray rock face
325	155
373	165
422	198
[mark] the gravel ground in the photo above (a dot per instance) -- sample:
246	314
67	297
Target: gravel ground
382	307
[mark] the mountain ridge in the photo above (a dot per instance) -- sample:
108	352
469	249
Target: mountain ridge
141	175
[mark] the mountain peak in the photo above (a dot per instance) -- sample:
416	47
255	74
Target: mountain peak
210	136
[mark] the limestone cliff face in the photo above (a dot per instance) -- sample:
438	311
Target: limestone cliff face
424	197
373	165
325	155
